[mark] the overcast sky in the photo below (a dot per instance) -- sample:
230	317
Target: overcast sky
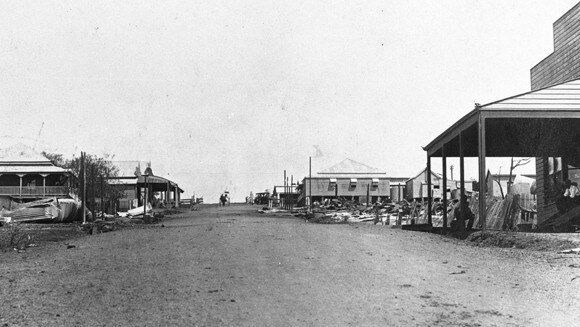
227	94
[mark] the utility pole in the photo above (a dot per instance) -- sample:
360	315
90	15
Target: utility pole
451	168
83	188
368	194
291	192
93	198
310	182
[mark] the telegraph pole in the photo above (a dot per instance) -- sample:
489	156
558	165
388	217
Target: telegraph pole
310	182
451	168
83	189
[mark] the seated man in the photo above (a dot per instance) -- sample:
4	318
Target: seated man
467	214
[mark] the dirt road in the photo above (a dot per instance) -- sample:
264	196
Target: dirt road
234	267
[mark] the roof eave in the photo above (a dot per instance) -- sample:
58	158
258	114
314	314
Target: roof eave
462	124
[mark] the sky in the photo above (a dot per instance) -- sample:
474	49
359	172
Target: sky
226	95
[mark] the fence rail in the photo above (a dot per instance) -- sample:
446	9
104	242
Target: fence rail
37	190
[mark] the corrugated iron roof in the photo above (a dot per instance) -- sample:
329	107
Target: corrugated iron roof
557	101
564	96
21	158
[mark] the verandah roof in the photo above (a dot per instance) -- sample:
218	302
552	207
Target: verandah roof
545	122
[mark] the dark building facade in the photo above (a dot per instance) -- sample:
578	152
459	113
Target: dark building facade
562	65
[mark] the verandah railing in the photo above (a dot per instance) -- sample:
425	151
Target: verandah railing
34	190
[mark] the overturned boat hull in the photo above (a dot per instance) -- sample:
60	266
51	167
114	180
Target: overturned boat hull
47	210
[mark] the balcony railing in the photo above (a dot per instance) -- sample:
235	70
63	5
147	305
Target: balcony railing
34	190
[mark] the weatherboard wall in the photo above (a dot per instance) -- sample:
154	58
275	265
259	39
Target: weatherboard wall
322	187
564	63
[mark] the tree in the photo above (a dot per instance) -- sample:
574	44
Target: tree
513	166
95	167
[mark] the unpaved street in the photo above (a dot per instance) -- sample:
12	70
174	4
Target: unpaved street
234	267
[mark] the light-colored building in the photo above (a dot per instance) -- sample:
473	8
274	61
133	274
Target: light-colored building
416	187
350	180
521	184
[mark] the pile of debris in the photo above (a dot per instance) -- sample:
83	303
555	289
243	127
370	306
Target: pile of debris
346	211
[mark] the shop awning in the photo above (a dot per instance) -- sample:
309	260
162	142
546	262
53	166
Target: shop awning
540	123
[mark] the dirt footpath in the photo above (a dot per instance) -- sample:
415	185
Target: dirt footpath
234	267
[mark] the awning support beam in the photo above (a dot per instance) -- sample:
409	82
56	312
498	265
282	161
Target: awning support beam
429	195
462	198
444	187
482	181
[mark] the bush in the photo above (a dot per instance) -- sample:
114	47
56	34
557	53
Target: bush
13	235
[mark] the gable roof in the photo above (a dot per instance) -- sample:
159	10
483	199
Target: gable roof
349	166
436	175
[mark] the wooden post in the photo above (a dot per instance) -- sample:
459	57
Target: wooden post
43	184
176	196
481	159
137	195
429	195
291	192
145	198
84	187
283	198
462	203
20	188
167	195
368	194
444	187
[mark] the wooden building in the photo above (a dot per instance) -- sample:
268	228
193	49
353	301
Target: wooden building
350	180
288	194
416	187
26	175
398	186
136	180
